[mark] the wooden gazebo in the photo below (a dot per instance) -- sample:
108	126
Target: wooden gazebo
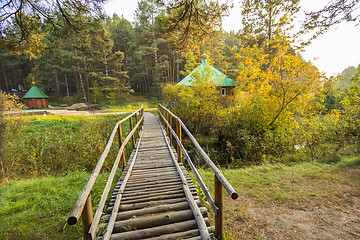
35	98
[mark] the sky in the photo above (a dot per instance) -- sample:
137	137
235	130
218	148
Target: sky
331	52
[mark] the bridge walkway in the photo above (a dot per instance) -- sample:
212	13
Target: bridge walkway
152	194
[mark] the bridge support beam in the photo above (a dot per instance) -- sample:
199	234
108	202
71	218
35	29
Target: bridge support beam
219	214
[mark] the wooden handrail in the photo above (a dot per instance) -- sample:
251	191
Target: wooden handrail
220	180
84	197
213	167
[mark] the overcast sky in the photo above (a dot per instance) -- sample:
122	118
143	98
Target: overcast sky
332	52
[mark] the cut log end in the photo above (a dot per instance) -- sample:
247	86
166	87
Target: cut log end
234	195
72	220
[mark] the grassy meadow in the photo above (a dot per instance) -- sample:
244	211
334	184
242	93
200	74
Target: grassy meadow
35	146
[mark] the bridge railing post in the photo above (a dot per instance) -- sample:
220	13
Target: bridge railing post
167	127
219	203
136	119
87	218
131	128
142	114
120	138
170	131
178	133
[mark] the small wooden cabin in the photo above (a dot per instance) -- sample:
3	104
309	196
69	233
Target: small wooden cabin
35	98
225	85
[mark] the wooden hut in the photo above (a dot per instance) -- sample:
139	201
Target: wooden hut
35	98
204	70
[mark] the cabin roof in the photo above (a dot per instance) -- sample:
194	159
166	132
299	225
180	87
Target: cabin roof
35	92
204	69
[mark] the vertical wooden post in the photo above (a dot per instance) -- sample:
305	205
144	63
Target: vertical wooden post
167	119
142	114
170	131
123	161
87	218
131	128
178	132
137	130
219	203
161	119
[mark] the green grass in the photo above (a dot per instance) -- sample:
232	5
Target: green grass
50	145
306	185
278	183
38	208
352	161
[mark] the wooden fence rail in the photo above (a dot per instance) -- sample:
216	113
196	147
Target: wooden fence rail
83	205
166	117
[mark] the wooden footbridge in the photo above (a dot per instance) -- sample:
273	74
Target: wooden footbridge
154	198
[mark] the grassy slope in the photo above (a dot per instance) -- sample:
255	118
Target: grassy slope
38	208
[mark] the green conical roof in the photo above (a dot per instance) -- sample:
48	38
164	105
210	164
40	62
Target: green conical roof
205	70
35	92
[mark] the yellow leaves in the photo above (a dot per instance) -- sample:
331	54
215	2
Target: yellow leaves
9	102
277	80
34	46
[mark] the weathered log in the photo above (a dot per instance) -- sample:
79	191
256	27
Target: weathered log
161	188
151	210
148	183
166	169
195	238
136	195
129	198
180	235
134	206
154	220
156	231
156	198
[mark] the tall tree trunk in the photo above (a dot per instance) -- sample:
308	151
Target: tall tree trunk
169	67
57	87
80	76
87	84
82	84
67	85
173	69
153	32
87	88
5	78
148	83
106	67
177	67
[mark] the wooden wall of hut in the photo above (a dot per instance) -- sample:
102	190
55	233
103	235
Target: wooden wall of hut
36	102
